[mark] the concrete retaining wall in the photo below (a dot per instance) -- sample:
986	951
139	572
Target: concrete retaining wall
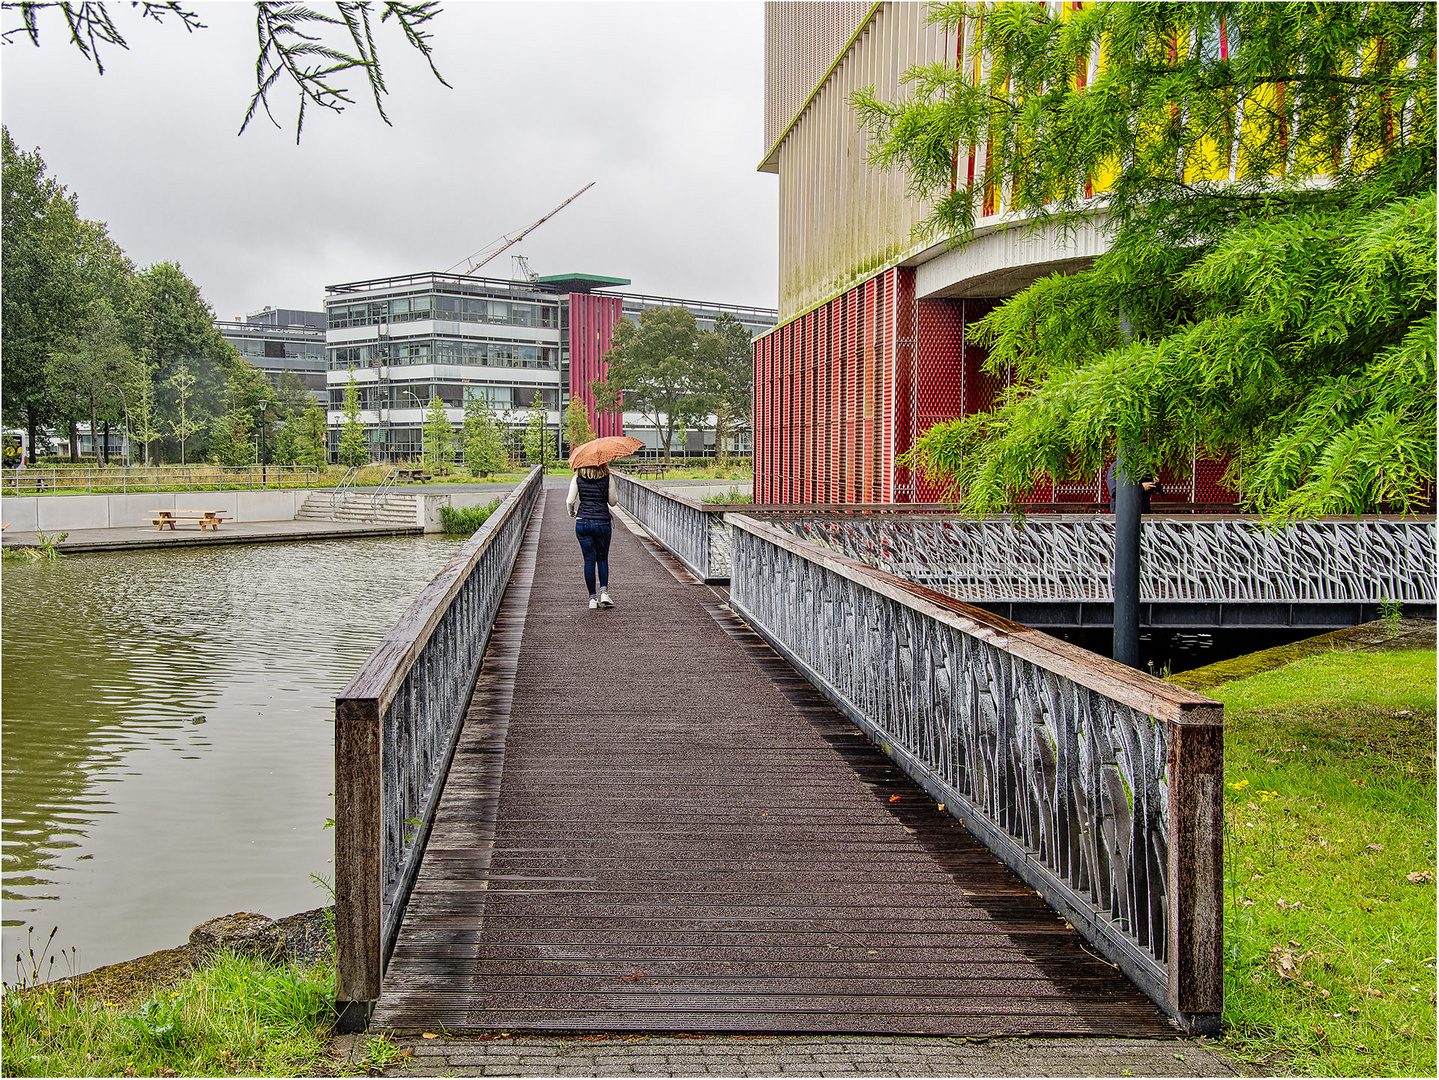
64	513
427	508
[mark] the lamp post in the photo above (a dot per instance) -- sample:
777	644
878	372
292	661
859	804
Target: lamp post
264	404
421	405
124	405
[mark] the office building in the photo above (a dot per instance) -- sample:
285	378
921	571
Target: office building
407	340
278	340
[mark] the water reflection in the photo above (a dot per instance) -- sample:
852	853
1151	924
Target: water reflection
167	721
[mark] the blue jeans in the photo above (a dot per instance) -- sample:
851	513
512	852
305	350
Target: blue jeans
594	538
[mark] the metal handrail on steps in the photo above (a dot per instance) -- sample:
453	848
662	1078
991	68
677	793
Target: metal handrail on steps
381	492
343	489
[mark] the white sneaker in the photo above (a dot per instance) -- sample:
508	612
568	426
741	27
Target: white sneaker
605	600
594	603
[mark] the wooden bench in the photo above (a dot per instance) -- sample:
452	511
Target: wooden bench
206	519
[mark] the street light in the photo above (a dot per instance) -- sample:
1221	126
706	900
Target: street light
421	404
264	404
124	405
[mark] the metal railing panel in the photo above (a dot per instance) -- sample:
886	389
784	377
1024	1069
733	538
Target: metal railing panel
73	480
1100	786
395	728
1183	560
694	533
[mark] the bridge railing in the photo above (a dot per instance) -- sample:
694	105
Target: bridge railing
695	533
396	724
1233	559
1100	786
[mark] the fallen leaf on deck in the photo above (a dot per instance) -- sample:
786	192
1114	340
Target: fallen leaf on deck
428	1035
894	798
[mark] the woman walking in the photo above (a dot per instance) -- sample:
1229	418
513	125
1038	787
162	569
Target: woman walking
592	493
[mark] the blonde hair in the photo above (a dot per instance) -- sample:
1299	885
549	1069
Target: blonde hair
594	472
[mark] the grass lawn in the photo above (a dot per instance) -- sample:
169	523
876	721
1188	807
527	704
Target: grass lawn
1329	928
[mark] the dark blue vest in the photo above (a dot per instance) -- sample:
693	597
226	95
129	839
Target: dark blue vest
594	499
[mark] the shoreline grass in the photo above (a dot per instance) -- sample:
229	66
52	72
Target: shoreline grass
231	1016
1329	930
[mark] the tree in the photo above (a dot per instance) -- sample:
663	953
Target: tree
144	419
1279	320
481	442
654	369
537	438
438	437
83	371
297	45
183	424
56	265
354	451
577	423
233	433
311	447
727	359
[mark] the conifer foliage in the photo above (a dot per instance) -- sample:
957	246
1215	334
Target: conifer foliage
1266	173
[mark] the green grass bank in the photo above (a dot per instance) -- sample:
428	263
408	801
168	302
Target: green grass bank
1329	928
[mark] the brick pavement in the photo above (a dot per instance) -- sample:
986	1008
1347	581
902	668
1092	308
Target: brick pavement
793	1055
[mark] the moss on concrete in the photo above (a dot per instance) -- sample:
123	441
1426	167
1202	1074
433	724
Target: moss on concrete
1408	634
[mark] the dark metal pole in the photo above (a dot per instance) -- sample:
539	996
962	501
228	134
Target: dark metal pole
1127	527
263	404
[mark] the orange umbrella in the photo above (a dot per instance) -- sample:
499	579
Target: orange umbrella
599	451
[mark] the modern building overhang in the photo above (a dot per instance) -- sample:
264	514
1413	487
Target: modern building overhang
579	283
1008	259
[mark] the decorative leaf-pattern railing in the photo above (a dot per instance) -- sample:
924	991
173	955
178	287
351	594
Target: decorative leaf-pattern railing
1100	786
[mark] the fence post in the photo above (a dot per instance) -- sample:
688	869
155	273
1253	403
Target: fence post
358	883
1195	918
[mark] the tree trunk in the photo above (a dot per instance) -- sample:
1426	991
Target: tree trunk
107	443
721	433
74	443
32	420
95	436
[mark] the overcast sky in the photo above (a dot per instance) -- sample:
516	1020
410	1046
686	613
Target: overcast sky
659	103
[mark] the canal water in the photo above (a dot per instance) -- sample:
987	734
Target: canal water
168	732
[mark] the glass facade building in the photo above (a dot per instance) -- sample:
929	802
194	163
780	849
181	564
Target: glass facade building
277	340
518	344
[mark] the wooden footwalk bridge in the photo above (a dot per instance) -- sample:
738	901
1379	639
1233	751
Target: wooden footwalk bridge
674	816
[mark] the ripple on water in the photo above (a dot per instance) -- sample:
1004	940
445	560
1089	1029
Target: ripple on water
167	723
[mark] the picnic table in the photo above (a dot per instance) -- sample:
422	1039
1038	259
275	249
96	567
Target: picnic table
406	476
206	519
648	468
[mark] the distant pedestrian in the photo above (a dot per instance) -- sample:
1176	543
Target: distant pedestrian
592	493
1147	487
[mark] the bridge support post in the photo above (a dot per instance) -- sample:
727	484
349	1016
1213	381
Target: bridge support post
358	885
1128	524
1195	919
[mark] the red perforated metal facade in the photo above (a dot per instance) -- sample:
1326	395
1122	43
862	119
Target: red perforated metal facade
842	391
593	319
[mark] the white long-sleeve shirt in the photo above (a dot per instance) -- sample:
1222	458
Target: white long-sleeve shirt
572	500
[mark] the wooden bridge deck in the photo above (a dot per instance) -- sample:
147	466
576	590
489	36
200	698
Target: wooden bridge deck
653	823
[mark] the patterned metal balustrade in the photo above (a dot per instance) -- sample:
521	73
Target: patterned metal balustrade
1183	559
395	729
1100	786
695	533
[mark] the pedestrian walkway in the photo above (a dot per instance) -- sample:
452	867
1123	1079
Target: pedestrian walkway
653	824
123	538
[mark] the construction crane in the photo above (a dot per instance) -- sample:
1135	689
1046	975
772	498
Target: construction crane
484	255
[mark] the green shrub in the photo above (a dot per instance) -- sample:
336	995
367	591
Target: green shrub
465	520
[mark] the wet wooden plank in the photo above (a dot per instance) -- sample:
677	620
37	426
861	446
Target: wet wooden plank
678	833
